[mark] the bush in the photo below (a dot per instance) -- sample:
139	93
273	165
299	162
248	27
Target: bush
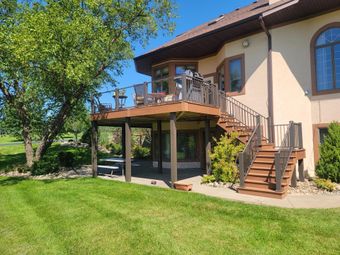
328	166
208	179
45	166
223	158
140	152
86	137
116	148
66	159
325	184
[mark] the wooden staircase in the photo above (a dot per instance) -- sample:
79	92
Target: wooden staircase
261	177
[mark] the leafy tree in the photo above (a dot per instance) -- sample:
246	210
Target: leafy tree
55	53
78	122
328	166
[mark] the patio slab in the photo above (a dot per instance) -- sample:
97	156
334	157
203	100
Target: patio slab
146	175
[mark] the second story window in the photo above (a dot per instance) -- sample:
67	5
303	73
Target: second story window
180	69
231	75
161	79
327	60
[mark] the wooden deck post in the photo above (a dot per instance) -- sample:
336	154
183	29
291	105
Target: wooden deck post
123	140
94	147
301	170
173	148
127	150
160	156
293	181
207	147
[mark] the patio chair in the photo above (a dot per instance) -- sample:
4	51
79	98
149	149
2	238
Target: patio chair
141	96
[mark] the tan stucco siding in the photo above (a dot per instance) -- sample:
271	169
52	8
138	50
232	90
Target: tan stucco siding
292	78
255	57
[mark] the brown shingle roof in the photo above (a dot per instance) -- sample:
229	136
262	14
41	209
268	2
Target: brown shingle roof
255	8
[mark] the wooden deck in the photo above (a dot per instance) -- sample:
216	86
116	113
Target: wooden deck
185	110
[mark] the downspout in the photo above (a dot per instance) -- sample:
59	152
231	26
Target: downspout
269	82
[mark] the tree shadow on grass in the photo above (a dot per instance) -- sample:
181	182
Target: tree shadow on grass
11	181
11	160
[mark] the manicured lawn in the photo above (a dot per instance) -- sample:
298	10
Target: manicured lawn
94	216
8	139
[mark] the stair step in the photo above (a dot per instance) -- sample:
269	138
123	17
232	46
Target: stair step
262	184
265	177
262	192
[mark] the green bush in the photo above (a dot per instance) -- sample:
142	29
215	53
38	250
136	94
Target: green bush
46	165
223	158
325	184
86	137
140	152
208	179
66	159
116	148
328	166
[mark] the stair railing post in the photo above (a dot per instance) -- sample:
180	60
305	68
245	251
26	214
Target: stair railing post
259	131
278	172
145	93
300	135
292	135
242	170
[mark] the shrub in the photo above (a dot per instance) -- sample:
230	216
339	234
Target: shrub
140	152
116	148
328	166
48	164
86	137
208	179
66	159
223	158
325	184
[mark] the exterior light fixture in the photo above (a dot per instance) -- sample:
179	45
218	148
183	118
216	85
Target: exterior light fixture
245	43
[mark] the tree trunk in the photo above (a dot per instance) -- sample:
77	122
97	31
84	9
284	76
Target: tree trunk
28	146
53	131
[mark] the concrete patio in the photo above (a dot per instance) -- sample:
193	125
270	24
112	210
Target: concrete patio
145	174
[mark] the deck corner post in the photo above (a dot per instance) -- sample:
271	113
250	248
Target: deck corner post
173	148
184	87
94	148
127	149
160	156
259	133
117	99
293	181
207	147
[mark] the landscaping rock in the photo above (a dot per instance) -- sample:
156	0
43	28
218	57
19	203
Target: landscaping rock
308	187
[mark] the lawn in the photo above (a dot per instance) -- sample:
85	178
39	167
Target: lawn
94	216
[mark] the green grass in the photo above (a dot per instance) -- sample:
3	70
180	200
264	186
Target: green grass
94	216
8	139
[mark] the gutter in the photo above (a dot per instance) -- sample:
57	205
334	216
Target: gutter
269	82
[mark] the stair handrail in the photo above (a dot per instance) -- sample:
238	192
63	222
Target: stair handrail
248	155
282	157
244	114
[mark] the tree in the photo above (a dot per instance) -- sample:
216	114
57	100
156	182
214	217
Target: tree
78	122
55	53
328	166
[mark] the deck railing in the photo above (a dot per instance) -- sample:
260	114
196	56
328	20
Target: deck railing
291	140
162	91
248	155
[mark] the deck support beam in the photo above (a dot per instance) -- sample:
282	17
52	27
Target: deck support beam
160	156
207	146
94	148
127	125
173	148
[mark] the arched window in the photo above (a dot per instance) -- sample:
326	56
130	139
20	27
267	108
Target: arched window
326	60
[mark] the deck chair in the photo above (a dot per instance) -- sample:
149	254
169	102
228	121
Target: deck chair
141	96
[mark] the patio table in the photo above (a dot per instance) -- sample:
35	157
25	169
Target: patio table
157	96
117	161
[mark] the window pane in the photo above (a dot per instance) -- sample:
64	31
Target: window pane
158	74
235	69
337	64
165	72
165	86
180	70
186	146
323	132
220	78
324	70
158	87
329	36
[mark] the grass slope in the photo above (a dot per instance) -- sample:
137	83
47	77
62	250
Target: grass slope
94	216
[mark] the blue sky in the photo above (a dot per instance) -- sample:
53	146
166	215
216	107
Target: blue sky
191	13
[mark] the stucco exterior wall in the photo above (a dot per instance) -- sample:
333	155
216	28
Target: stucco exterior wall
255	69
292	78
